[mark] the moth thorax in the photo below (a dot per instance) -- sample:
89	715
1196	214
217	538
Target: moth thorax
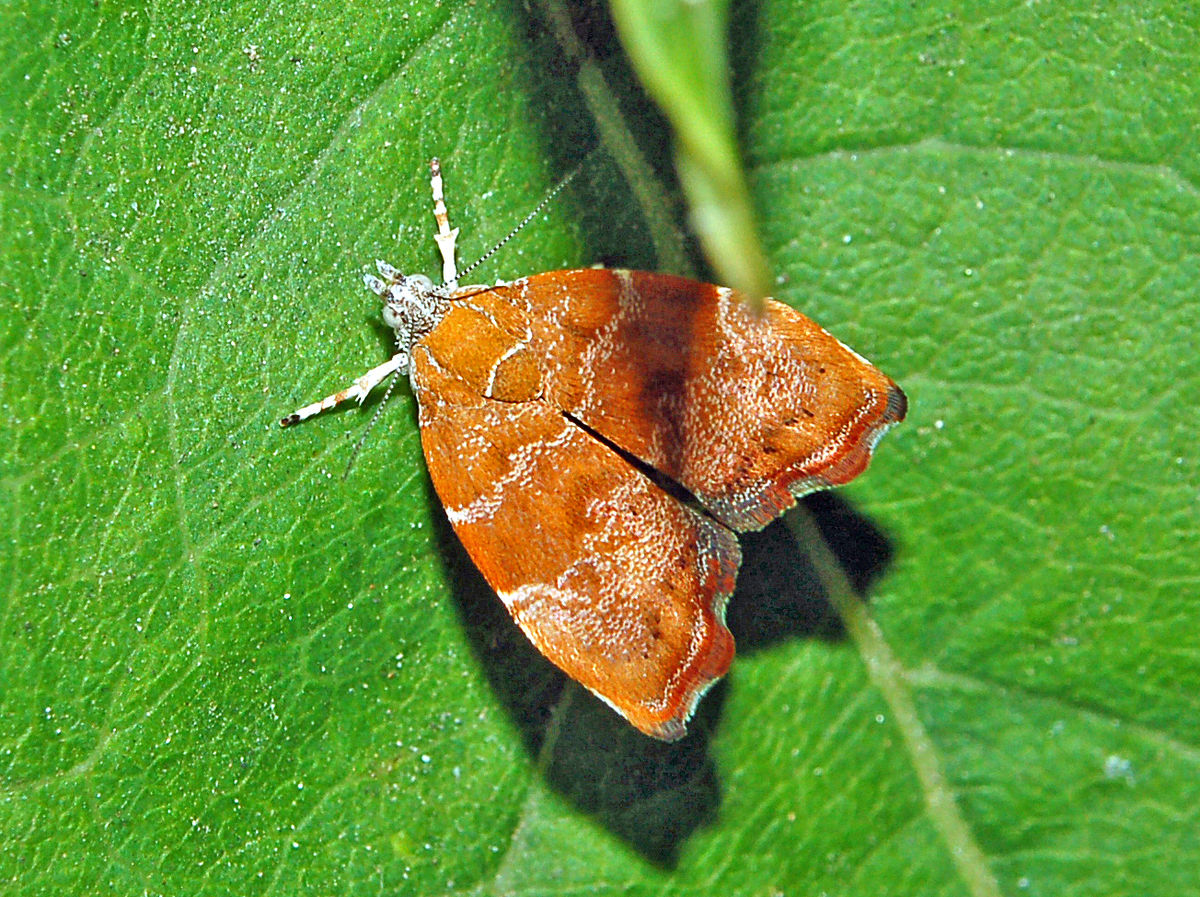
412	306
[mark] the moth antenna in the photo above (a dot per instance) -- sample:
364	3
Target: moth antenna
554	191
362	440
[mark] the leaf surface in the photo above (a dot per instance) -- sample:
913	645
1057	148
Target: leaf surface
223	669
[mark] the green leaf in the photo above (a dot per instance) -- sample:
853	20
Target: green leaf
223	669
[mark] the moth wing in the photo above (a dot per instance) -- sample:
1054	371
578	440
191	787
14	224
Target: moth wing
616	582
748	412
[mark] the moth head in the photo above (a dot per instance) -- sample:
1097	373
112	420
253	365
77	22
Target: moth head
412	305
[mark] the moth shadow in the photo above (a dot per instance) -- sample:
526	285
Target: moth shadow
779	595
650	794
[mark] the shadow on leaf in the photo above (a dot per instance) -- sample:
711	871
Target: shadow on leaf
779	595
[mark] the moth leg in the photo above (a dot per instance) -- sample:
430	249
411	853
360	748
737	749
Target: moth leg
358	390
445	236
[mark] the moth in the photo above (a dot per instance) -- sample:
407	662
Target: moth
599	437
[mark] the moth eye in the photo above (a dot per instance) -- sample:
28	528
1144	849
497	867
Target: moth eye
391	317
419	282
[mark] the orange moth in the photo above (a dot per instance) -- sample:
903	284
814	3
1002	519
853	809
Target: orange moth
560	412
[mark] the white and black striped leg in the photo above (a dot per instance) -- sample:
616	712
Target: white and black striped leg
445	236
358	390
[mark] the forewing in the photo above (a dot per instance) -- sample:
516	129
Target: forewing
616	582
746	411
